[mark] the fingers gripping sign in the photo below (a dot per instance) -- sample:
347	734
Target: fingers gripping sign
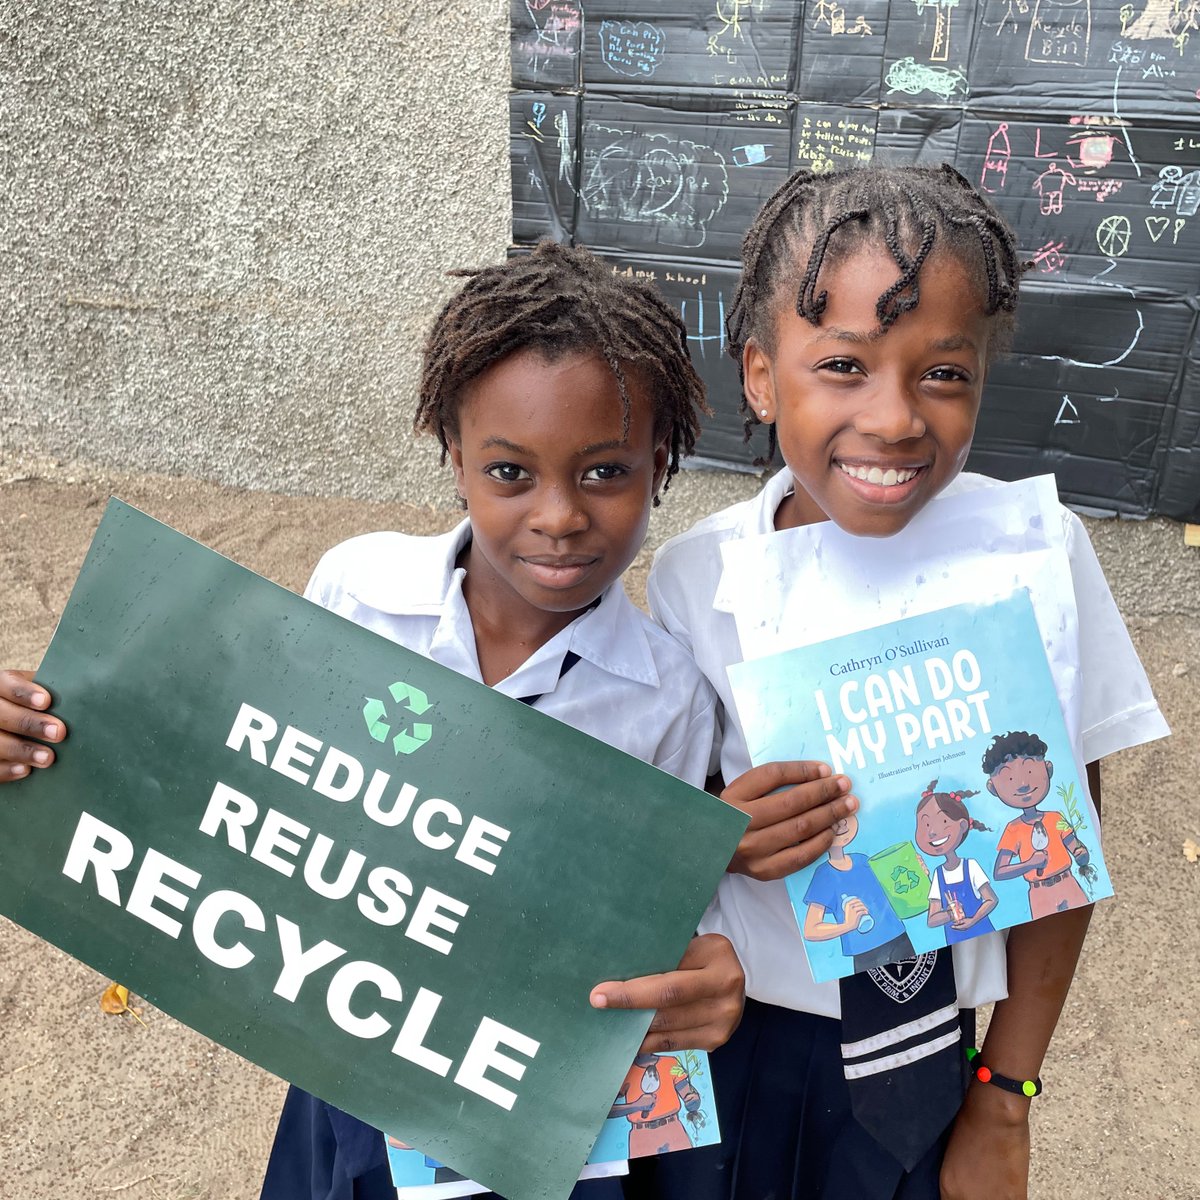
698	1005
793	807
26	726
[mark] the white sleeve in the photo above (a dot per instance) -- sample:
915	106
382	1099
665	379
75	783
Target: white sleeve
978	879
935	892
1118	707
658	588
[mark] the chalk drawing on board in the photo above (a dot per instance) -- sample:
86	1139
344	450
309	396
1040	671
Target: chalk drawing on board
912	78
1177	190
1167	19
703	336
1060	33
1100	281
1049	258
1051	186
995	160
555	26
655	179
1112	236
566	149
1068	414
631	48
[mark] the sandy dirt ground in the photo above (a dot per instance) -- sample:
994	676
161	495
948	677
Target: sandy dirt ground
100	1106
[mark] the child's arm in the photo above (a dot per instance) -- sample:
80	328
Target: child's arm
24	718
792	807
699	1003
988	1154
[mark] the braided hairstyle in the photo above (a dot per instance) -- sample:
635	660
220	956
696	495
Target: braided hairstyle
814	221
562	300
951	804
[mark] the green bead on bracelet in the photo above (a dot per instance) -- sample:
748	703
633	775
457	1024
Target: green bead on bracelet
1019	1087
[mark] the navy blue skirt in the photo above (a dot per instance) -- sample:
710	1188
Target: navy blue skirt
787	1132
322	1153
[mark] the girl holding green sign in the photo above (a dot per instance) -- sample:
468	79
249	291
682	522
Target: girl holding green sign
564	397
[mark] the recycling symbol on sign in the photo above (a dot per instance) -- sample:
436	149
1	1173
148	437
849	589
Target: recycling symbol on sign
904	880
411	737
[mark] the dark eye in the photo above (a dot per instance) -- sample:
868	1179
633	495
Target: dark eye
839	366
606	471
506	472
948	375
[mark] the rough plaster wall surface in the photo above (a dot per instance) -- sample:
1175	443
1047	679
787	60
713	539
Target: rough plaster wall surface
224	228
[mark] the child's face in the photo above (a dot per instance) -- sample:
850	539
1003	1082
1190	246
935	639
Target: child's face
558	498
873	424
1022	782
938	833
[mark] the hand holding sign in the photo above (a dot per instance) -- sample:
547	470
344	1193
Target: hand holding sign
25	726
699	1004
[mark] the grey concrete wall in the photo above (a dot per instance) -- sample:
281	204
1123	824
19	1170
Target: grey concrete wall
224	227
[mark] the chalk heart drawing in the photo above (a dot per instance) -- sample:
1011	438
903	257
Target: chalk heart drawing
1157	226
632	48
655	179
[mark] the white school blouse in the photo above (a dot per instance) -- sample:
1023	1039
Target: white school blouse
1119	710
633	687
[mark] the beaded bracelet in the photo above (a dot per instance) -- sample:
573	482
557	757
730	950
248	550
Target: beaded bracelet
1020	1087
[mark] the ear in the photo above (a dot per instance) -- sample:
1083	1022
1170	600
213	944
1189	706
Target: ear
662	456
991	787
1049	770
456	461
758	374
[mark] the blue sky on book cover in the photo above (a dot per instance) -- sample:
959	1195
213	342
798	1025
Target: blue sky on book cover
974	813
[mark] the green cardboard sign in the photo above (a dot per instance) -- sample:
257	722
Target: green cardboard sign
373	877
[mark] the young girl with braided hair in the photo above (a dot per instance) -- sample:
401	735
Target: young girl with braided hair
870	305
563	396
960	894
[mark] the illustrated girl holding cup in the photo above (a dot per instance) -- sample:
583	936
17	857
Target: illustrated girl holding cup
960	894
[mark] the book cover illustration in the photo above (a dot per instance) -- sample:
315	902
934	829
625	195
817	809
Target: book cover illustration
665	1103
974	814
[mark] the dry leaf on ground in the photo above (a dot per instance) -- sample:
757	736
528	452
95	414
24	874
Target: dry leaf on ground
115	1000
1191	851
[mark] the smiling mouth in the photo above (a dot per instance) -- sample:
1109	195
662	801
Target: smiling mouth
936	842
884	477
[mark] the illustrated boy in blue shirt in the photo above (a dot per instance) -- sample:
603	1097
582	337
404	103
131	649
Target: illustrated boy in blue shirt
845	887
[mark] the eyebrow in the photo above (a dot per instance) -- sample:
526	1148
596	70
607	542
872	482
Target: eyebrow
855	337
515	448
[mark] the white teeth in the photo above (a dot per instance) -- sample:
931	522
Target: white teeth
888	478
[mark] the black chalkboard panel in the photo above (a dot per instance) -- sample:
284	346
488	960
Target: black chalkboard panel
673	44
700	295
1097	407
546	42
1086	56
1093	201
832	137
842	51
681	178
927	53
654	132
545	172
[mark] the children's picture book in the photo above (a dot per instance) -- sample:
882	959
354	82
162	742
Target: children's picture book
974	814
665	1103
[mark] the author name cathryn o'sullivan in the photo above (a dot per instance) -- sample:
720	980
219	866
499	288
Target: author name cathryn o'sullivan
891	654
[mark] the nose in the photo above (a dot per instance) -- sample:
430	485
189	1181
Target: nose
891	413
558	512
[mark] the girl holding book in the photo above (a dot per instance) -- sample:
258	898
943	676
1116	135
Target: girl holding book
870	306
